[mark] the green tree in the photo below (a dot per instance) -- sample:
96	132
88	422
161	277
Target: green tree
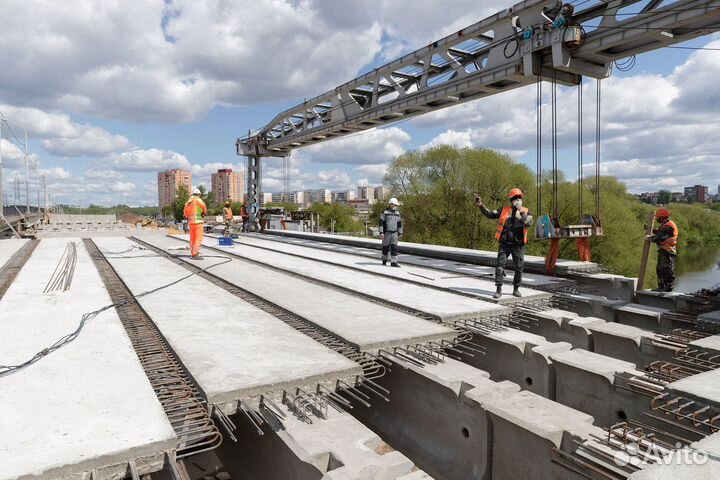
178	205
342	215
436	188
664	197
289	207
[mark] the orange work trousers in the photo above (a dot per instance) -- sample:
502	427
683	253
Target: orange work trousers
196	238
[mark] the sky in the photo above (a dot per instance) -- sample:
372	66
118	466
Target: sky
110	92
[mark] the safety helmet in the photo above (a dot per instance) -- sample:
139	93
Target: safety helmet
196	191
515	192
393	201
662	213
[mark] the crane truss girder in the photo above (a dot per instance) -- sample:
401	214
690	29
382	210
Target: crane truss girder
486	58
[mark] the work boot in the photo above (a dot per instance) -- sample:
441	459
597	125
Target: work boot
516	292
498	293
384	262
659	289
395	264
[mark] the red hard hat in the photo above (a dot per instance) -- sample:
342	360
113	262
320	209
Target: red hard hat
515	192
662	213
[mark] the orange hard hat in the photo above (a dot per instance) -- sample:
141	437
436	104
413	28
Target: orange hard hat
662	213
515	192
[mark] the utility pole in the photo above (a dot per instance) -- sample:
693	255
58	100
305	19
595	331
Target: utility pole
2	197
27	177
45	196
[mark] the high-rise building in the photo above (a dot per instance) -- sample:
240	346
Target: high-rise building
697	193
344	196
266	198
169	182
227	185
320	195
381	194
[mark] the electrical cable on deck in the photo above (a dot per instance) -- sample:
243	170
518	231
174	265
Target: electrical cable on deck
6	370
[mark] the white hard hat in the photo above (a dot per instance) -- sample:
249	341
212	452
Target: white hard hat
393	201
196	191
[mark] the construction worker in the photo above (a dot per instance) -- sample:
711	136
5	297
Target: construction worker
512	233
666	239
227	217
391	229
195	211
245	217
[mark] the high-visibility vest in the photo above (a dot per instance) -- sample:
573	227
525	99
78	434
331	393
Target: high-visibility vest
194	209
670	244
506	212
227	213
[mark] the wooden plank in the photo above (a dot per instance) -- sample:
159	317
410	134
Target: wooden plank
646	252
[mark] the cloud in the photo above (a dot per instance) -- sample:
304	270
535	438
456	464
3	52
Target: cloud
376	146
100	174
14	157
61	135
55	173
150	160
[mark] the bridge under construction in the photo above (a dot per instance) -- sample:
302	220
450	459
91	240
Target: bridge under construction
293	355
299	356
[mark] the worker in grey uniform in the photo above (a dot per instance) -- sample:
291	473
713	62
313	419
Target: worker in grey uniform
391	229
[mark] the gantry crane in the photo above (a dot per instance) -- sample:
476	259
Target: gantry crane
530	42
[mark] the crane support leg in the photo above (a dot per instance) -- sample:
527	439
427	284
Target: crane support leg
254	188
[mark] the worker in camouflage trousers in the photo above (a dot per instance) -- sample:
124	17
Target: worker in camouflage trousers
391	229
512	235
666	239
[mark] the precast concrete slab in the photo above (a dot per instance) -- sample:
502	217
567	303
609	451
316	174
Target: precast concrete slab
668	300
466	285
703	387
436	416
520	357
710	344
710	320
585	381
305	247
526	428
440	304
363	324
337	448
630	343
614	287
8	248
88	405
563	326
232	349
588	305
641	316
481	257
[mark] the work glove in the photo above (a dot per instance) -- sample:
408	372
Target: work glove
518	215
528	219
478	200
382	236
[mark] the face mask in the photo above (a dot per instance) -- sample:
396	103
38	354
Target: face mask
393	207
517	203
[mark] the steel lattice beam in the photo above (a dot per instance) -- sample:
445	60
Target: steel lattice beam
484	59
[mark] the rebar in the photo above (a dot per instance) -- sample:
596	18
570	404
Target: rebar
62	276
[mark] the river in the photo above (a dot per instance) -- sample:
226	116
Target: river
697	269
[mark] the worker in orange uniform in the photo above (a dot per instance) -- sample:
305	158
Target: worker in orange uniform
227	217
195	211
666	239
512	233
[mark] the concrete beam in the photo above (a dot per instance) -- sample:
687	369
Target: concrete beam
480	257
232	349
88	405
335	448
442	305
629	343
585	382
9	247
520	357
526	427
363	324
435	417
